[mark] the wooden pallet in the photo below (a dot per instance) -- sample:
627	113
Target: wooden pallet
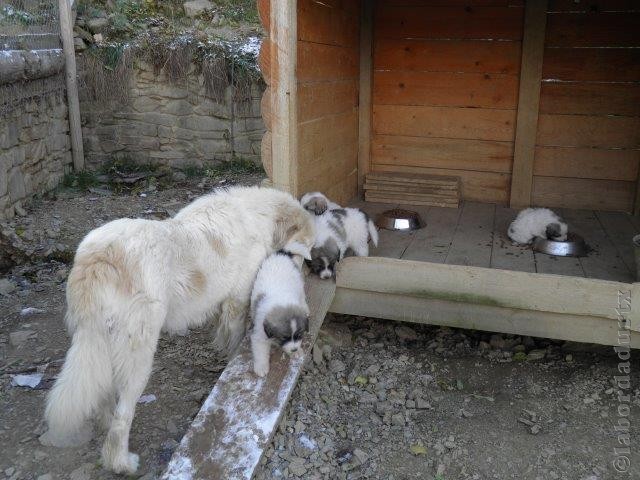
431	190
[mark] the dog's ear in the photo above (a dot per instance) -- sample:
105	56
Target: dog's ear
553	230
284	229
319	205
292	223
298	248
269	330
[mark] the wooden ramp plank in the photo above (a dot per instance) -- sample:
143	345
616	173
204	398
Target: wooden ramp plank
432	244
504	253
237	421
472	241
604	261
620	230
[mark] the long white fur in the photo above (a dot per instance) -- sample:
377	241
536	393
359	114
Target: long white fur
133	278
279	283
532	222
358	227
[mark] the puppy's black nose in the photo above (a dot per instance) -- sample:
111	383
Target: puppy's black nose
294	349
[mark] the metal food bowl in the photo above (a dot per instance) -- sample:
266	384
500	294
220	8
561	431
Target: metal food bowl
400	219
574	246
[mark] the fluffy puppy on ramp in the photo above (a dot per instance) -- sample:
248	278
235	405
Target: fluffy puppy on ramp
133	278
278	308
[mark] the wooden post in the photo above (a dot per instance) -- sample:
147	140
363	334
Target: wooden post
364	105
535	21
75	125
284	104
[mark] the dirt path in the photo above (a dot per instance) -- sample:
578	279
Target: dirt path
184	371
380	401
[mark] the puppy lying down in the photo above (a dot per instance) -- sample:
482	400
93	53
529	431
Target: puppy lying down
278	308
537	222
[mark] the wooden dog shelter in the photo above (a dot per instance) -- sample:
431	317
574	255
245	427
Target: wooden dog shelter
519	103
522	102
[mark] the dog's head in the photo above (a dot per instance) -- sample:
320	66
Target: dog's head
557	231
324	258
285	326
315	203
294	230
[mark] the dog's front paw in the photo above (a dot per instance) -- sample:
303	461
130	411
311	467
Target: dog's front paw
261	368
125	464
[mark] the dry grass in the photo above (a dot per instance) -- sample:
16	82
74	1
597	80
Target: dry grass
108	73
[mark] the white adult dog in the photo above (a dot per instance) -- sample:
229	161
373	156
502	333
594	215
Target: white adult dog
133	278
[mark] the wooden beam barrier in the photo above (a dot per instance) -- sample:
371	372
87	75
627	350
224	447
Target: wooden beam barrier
237	421
535	21
464	285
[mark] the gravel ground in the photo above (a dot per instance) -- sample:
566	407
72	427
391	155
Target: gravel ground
379	400
388	401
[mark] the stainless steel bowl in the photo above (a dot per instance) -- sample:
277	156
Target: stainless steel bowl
400	219
575	246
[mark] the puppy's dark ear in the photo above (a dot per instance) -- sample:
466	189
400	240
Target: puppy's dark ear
269	330
553	230
303	324
318	205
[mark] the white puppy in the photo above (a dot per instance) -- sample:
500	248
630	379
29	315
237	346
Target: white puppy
278	308
317	203
340	232
537	222
133	278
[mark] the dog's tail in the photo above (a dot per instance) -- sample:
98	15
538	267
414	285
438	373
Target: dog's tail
84	383
373	232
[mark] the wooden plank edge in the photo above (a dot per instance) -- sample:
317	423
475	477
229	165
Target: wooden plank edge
489	286
405	308
237	421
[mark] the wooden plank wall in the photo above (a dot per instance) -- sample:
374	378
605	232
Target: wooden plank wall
328	78
588	142
445	88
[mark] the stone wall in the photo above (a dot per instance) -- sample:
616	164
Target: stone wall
175	124
34	150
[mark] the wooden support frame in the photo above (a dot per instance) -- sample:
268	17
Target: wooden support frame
535	20
75	123
365	94
238	419
283	88
505	301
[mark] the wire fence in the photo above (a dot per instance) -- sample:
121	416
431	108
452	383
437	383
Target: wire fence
31	59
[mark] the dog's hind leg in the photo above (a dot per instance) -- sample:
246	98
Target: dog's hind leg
232	326
105	414
132	360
